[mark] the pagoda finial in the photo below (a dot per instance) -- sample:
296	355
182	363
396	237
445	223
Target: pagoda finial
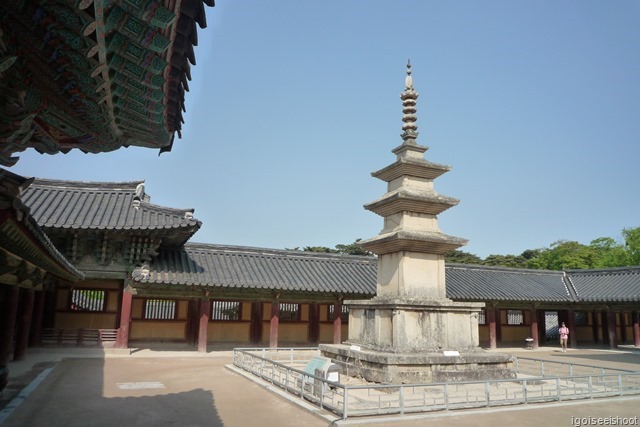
409	96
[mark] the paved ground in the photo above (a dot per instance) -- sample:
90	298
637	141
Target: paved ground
166	388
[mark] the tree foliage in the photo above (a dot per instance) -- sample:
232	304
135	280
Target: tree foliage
348	249
603	252
462	257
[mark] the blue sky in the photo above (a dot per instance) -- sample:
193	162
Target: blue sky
535	105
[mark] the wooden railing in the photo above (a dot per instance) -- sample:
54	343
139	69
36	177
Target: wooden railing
79	337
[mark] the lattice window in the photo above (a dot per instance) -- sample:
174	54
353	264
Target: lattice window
344	315
289	311
515	317
582	319
482	317
159	309
87	300
226	310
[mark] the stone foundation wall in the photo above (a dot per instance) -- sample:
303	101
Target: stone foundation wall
392	368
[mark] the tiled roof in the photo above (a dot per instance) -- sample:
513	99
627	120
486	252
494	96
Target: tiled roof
35	247
101	206
243	267
482	283
95	75
265	269
607	285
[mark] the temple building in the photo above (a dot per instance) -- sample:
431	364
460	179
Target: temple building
94	75
96	263
117	269
30	269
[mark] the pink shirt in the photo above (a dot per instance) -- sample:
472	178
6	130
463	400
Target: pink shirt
564	332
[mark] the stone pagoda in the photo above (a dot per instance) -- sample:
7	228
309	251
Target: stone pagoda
411	332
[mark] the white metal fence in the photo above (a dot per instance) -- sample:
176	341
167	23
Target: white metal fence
538	381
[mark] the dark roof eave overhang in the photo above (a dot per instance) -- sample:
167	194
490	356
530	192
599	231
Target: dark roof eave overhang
212	291
425	242
398	201
419	168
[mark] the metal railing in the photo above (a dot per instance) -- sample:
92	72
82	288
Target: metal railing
538	381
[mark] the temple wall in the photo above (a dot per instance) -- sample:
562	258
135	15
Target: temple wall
228	332
583	333
85	320
158	329
68	318
483	333
287	332
515	333
326	332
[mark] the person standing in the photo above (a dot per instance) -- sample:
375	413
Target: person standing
564	337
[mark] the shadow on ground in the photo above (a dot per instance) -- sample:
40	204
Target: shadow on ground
113	392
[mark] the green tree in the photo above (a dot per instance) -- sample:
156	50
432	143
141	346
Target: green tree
632	245
609	253
565	254
322	249
506	261
353	249
462	257
531	254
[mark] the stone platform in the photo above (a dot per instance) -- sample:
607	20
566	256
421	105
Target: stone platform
416	367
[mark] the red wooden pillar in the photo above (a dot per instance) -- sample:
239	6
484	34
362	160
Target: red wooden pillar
623	328
337	322
636	328
35	338
611	328
595	316
122	341
256	322
275	320
49	315
533	314
24	323
203	326
7	326
314	323
571	324
491	320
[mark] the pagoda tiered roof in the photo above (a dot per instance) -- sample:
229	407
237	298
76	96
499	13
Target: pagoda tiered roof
410	194
95	75
432	242
413	167
412	200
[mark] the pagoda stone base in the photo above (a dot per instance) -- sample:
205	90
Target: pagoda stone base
403	340
394	368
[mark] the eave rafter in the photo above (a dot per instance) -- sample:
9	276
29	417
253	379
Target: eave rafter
94	74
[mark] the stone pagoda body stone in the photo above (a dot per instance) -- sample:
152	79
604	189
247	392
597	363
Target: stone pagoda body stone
411	332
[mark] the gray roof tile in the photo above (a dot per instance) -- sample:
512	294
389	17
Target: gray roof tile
59	204
607	285
482	283
272	269
244	267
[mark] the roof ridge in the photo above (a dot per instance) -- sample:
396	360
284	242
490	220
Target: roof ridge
61	183
165	208
501	268
606	270
255	249
570	287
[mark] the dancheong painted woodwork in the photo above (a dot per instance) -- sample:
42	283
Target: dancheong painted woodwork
95	75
